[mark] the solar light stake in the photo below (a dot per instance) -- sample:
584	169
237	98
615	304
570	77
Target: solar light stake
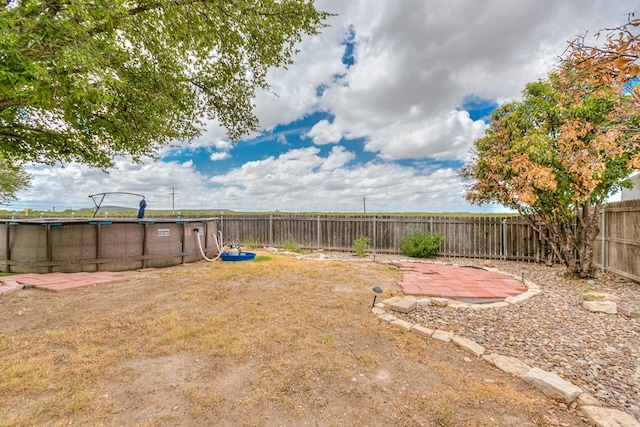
376	291
522	271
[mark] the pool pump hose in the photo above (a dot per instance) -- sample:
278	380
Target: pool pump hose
216	240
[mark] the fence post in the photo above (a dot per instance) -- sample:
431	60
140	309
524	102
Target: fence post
604	237
319	230
270	229
431	225
504	238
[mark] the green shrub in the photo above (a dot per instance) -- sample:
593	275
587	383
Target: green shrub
360	247
291	245
420	245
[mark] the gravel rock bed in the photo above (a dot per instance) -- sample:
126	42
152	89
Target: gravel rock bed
598	352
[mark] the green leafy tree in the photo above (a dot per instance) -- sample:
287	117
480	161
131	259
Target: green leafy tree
554	157
85	81
13	178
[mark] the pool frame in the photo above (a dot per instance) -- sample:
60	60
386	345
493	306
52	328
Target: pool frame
118	244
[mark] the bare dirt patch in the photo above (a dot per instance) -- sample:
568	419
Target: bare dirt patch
271	342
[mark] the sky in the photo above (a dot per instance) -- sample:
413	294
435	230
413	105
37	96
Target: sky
377	114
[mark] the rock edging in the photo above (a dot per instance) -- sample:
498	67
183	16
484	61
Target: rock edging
549	383
601	302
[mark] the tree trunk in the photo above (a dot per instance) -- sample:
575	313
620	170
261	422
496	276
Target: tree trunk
586	232
571	238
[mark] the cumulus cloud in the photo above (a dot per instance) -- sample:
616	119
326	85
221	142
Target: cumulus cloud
323	133
338	157
220	155
306	180
416	62
445	137
69	187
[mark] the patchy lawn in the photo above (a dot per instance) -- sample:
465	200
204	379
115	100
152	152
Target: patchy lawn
271	342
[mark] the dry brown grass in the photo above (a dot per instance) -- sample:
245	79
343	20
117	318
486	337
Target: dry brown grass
276	341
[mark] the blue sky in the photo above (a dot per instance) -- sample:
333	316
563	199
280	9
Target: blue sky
385	105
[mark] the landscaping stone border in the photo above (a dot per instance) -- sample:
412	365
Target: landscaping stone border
549	383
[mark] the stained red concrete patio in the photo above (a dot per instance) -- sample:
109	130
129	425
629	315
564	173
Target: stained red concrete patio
457	282
58	282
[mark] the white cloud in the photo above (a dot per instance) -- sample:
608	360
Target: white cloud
69	187
416	62
220	155
323	133
298	180
444	137
294	90
337	158
303	180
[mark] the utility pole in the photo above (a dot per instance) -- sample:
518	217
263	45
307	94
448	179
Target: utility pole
364	204
173	200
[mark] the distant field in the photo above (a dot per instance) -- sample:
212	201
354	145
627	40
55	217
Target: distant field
123	211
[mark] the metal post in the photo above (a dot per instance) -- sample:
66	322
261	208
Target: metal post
145	244
98	247
205	231
182	242
270	229
374	244
49	255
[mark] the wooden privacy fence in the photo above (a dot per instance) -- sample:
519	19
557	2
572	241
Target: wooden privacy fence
617	247
480	237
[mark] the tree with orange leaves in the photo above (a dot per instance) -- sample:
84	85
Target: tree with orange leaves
609	64
555	157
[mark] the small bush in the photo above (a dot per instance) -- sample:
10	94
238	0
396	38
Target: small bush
420	245
360	247
291	245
